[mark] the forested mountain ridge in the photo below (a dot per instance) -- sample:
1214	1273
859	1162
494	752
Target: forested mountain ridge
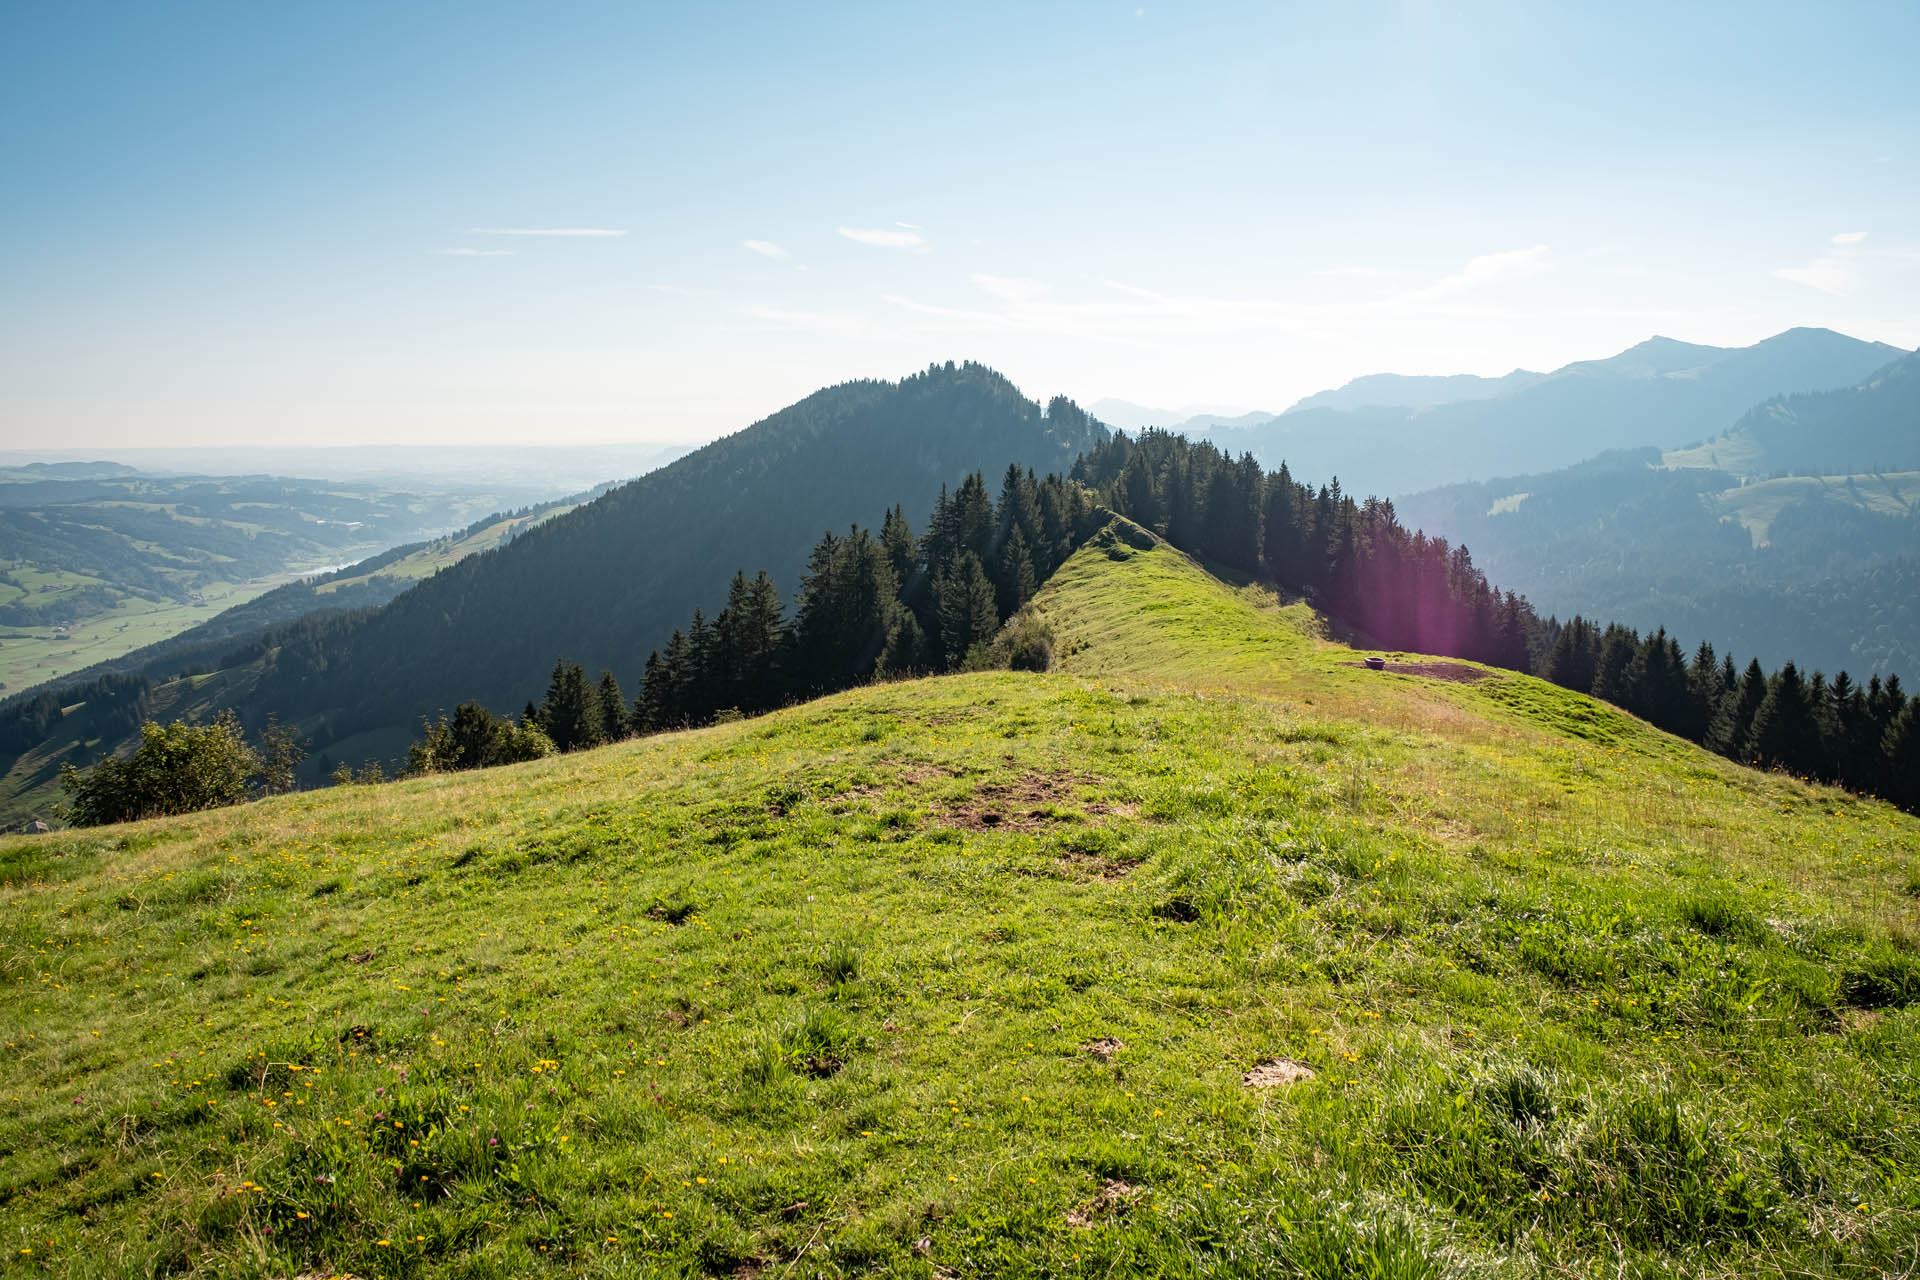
607	582
1659	392
1871	427
1820	568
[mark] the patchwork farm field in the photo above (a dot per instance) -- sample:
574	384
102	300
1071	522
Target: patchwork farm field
1206	953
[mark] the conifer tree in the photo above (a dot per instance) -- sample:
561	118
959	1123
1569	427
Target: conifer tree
973	519
1733	722
1575	656
570	716
968	612
906	649
614	724
1783	724
1280	549
650	714
1706	682
1617	649
1019	506
903	554
1016	582
677	677
1901	750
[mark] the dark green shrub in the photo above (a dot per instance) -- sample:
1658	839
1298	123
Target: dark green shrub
181	768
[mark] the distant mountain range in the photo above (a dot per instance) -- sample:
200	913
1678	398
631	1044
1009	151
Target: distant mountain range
1412	391
1794	534
1397	433
1871	427
1660	392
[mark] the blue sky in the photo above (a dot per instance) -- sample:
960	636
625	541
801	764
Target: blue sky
307	224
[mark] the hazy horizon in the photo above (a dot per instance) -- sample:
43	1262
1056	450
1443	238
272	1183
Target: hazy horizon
595	224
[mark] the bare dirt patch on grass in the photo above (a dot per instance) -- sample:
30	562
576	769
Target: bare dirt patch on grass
1026	804
1459	672
1115	1197
1272	1075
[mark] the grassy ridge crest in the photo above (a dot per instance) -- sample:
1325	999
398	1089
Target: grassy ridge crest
969	975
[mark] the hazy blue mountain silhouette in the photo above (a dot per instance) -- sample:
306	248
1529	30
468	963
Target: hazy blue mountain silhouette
1659	392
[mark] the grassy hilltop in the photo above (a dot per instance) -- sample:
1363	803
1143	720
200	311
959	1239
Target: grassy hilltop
970	975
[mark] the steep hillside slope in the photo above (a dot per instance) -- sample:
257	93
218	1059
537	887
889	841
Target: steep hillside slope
1208	953
1659	393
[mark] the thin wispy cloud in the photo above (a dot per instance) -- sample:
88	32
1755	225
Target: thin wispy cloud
475	253
900	237
1836	272
1484	271
565	233
1010	288
767	249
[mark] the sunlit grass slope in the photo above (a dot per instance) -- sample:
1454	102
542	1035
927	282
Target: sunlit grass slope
963	976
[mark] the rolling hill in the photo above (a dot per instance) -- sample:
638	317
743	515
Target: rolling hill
1659	393
1208	953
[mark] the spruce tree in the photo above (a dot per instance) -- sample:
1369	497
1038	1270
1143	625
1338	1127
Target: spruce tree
1016	583
1575	656
614	724
1733	721
968	612
1783	731
650	712
1900	749
903	554
571	713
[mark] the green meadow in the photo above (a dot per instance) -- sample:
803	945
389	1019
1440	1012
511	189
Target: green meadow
1209	952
